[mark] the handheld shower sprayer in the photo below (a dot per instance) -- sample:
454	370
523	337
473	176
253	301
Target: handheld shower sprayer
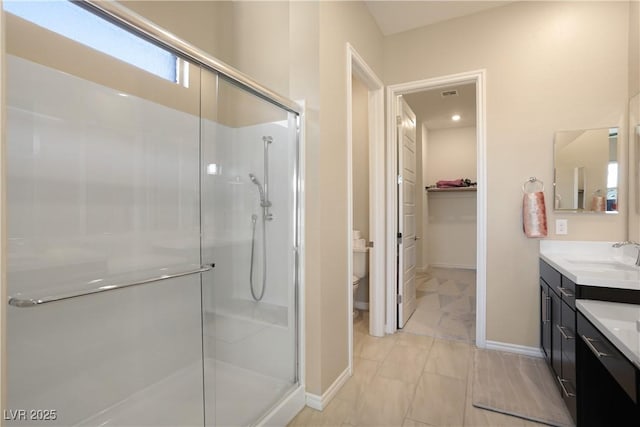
263	199
266	216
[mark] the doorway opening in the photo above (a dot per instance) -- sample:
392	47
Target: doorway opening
436	240
365	194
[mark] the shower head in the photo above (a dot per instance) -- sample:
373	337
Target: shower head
253	179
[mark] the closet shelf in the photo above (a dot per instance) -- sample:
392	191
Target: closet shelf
452	189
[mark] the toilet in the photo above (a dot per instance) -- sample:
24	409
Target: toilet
360	258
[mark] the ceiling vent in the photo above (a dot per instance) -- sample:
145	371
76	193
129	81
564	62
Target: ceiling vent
446	93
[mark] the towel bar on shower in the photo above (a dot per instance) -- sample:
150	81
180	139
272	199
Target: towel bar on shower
31	302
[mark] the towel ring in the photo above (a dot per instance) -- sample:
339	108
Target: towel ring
532	180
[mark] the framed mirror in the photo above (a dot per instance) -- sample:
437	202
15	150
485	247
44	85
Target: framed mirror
586	170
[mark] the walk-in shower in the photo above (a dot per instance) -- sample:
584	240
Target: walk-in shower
129	192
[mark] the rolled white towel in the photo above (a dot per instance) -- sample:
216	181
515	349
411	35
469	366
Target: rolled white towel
356	234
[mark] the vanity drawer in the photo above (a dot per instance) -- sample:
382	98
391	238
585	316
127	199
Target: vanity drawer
550	276
620	368
567	291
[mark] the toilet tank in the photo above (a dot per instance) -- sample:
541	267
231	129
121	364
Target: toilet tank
360	262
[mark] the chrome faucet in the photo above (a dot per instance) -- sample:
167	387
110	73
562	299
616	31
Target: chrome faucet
628	243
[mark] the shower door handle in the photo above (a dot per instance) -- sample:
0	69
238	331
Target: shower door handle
32	302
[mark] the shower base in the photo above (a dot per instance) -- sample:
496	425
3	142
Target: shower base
234	396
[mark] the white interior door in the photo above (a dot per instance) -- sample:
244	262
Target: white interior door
406	212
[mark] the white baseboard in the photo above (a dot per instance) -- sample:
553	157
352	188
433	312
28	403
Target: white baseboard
286	410
320	402
361	305
446	265
513	348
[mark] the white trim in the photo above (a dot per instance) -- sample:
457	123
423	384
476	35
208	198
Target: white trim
286	410
361	305
320	402
479	78
513	348
357	66
447	265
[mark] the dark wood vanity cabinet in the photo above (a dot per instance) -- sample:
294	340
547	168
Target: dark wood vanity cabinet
558	326
598	384
608	383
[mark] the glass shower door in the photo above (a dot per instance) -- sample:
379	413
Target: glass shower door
102	192
248	211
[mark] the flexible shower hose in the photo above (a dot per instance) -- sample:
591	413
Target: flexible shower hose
254	220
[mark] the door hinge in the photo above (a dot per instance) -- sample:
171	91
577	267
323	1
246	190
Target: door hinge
399	179
399	238
370	244
399	298
398	120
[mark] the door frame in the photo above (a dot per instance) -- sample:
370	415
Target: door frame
393	91
356	66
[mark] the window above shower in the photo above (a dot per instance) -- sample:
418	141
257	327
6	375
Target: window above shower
80	25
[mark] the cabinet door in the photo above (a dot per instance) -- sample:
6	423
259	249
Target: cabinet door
556	337
545	321
568	337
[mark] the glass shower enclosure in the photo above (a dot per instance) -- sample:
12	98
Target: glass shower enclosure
153	221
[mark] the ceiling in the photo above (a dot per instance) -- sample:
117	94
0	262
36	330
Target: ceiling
435	111
398	16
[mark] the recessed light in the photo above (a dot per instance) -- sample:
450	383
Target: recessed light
455	117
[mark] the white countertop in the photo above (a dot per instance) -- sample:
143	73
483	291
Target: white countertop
617	322
593	263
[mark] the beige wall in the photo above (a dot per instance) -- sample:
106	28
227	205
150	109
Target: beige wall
452	154
451	217
3	230
206	24
360	157
452	230
340	22
634	121
634	47
423	248
420	196
547	69
360	162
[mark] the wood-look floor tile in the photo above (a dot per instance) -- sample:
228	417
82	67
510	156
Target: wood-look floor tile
335	414
439	400
363	372
449	358
413	423
374	348
384	403
404	363
421	341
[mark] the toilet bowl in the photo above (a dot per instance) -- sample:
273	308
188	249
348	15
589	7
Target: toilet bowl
360	259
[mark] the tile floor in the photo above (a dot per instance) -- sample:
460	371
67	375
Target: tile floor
406	380
446	305
421	376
